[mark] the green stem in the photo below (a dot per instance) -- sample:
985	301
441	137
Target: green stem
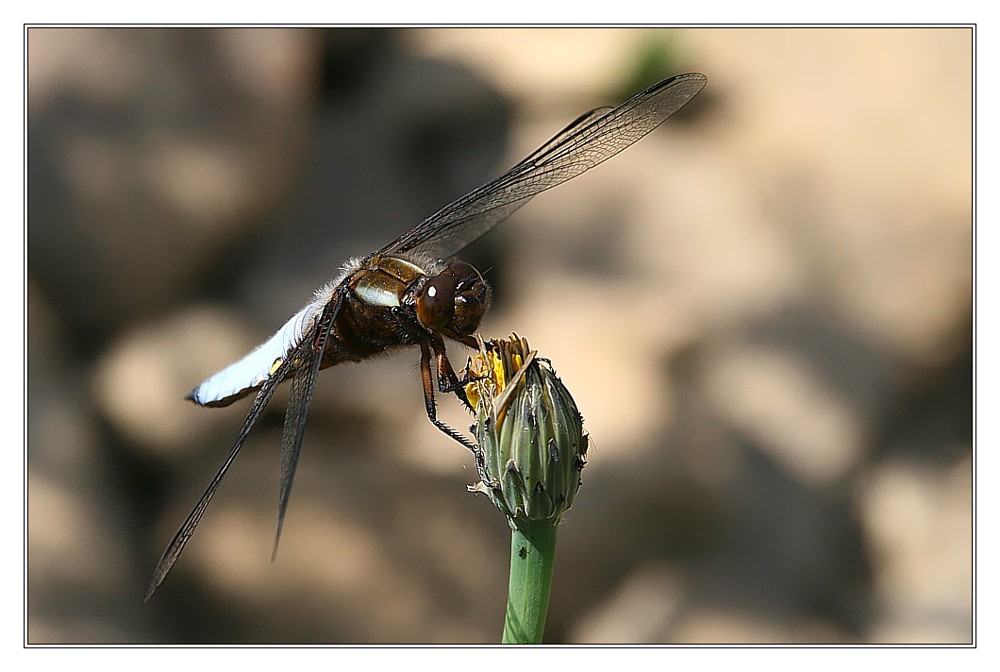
532	551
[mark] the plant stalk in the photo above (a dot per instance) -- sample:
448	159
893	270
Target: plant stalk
532	552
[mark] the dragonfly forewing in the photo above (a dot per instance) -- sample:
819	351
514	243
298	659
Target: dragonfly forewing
590	140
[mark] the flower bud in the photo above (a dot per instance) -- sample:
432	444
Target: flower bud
529	430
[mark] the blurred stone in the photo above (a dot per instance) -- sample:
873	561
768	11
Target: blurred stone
149	150
78	532
371	552
788	408
653	606
642	609
919	523
141	380
538	70
708	626
860	169
74	537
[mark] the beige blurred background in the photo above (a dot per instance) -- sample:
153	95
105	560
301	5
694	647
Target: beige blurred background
763	310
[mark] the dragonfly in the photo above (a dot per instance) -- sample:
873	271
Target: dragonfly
411	293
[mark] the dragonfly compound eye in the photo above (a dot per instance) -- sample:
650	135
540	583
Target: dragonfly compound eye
454	300
436	301
472	299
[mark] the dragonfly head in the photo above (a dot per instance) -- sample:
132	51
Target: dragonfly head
454	301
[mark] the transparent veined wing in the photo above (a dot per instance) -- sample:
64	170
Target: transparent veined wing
590	140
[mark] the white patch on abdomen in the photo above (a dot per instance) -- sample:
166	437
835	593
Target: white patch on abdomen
258	365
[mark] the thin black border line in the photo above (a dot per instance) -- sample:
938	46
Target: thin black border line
501	26
973	26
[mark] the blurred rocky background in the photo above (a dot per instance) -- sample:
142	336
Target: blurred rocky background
763	309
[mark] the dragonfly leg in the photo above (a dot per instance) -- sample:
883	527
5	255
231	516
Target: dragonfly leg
448	380
427	378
